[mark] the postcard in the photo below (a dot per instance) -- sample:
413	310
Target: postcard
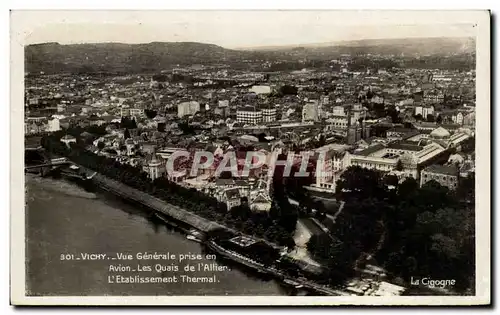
250	158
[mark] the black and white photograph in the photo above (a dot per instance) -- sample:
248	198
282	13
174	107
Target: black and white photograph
250	157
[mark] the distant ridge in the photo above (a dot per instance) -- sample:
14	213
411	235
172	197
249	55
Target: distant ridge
155	56
468	41
54	57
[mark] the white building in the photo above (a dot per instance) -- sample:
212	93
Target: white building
249	115
268	114
224	103
260	89
259	199
325	100
310	112
385	157
130	145
357	112
338	111
61	108
338	122
332	161
424	111
469	119
458	118
187	108
53	125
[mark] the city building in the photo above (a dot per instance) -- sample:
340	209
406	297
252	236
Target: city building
310	111
268	114
53	125
424	111
258	198
155	167
398	133
224	103
130	146
260	89
338	122
357	112
385	157
447	176
440	133
249	115
222	111
433	96
338	111
187	108
231	197
333	159
458	118
134	112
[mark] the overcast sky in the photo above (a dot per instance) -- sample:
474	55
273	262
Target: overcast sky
239	29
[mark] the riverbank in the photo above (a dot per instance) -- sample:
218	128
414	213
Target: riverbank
61	186
156	204
163	207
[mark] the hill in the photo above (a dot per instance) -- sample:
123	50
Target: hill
156	56
410	46
117	57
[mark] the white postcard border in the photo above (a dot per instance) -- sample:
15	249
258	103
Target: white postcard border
19	20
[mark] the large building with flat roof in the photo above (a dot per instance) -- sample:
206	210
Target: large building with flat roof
249	115
386	157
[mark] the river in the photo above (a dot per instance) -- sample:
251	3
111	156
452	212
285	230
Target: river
62	218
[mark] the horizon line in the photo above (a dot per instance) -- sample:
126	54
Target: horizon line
251	47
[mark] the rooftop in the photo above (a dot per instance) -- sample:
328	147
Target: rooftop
370	150
232	193
441	169
405	146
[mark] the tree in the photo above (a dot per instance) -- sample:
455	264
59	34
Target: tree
393	113
100	145
391	180
128	123
126	134
466	189
226	175
418	117
360	183
369	94
322	140
288	90
320	246
430	118
262	137
439	119
379	110
150	113
161	127
399	165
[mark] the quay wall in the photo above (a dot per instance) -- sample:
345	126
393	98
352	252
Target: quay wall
156	204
